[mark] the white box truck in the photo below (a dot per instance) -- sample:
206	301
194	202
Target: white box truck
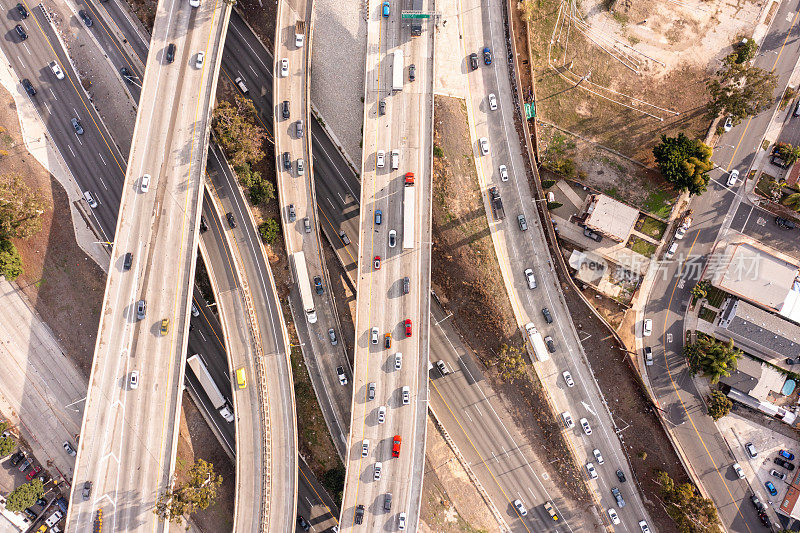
536	342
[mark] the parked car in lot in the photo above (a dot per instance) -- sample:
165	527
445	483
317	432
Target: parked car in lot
784	463
648	356
785	223
751	450
25	464
786	455
771	488
34	471
775	473
17	457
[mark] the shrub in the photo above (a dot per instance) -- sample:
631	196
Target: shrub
269	230
546	184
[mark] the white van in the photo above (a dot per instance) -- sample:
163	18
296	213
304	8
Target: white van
90	199
395	159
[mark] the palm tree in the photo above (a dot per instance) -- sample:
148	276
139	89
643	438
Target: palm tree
792	201
713	358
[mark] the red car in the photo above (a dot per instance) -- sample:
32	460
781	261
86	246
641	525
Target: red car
34	471
396	446
408	327
377	262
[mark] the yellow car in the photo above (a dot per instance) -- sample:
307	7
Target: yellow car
164	326
241	378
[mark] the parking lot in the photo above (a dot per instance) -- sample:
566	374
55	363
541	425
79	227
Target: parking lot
18	469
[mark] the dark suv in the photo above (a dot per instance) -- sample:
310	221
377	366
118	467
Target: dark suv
28	87
473	61
285	109
318	285
784	463
170	55
547	316
359	514
231	220
412	72
21	32
23	13
785	223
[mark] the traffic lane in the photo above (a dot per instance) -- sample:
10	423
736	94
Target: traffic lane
759	224
321	511
216	246
139	43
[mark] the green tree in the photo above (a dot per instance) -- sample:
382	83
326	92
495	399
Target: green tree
691	512
565	167
237	133
512	362
261	192
700	290
7	445
197	493
333	481
24	495
745	50
718	405
10	261
713	358
269	230
787	152
20	208
740	90
684	162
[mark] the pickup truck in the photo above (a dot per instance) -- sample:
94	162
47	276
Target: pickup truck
497	204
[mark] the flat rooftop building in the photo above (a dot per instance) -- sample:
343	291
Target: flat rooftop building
611	218
760	332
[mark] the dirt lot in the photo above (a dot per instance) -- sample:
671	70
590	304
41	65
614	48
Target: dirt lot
196	441
461	243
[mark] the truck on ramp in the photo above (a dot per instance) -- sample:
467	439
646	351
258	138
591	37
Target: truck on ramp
202	374
408	211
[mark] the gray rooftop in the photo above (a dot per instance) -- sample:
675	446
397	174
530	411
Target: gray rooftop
774	334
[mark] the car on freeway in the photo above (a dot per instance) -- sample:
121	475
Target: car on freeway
401	521
397	441
548	506
376	261
387	340
381	414
598	456
141	309
520	507
69	449
87	489
385	9
487	56
374	335
647	328
199	59
784	463
145	183
23	13
332	336
406	285
771	488
591	471
503	173
648	356
284	67
380	159
301	522
371	391
54	66
364	447
21	32
566	417
586	427
568	378
318	285
738	469
728	124
292	213
359	513
751	450
483	144
785	223
86	18
242	86
341	374
126	75
164	326
786	455
620	475
382	107
492	102
307	225
406	392
733	177
547	316
412	72
523	224
392	238
398	360
285	111
774	473
77	125
612	514
443	368
28	86
473	61
551	346
529	278
408	327
133	381
618	496
128	261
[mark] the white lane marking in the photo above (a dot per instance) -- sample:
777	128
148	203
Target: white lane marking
103	182
71	151
103	160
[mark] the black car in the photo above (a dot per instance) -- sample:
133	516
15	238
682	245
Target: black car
487	56
23	13
758	504
412	72
126	75
128	261
784	463
231	220
764	518
406	285
785	223
86	18
170	55
42	502
547	316
621	475
790	361
203	225
473	61
382	107
359	513
30	513
592	235
285	109
87	490
28	87
21	32
551	346
318	285
16	458
305	526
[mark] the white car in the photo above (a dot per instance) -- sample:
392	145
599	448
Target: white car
406	395
194	3
380	159
586	427
342	375
198	61
598	456
738	469
365	448
377	472
592	472
398	360
145	185
680	233
492	102
612	514
733	177
56	70
374	336
568	378
483	142
567	418
401	521
242	87
530	279
643	526
728	124
284	67
134	380
647	330
520	508
503	173
381	414
392	238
